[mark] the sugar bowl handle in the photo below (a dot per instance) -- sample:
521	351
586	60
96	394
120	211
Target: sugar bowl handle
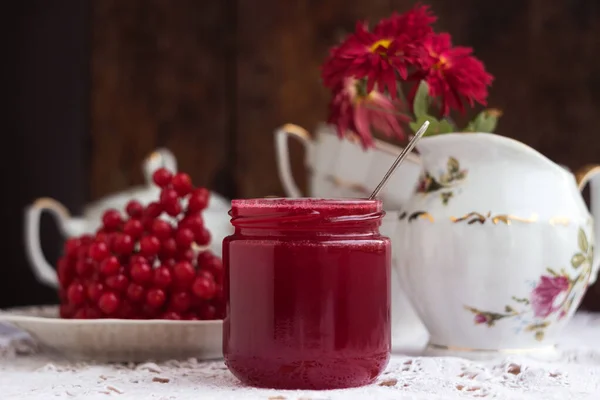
591	174
42	269
282	152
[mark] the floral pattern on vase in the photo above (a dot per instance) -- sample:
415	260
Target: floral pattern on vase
553	295
444	183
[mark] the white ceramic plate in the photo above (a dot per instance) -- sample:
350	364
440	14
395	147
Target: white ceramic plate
116	340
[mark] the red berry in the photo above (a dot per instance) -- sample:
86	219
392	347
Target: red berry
127	310
220	294
184	273
195	223
86	239
149	246
111	219
65	272
109	303
162	229
204	288
110	266
182	183
117	282
171	315
168	249
80	314
168	197
67	310
170	263
147	223
162	277
83	251
184	238
153	210
148	312
134	209
173	209
198	200
71	247
204	258
185	255
133	228
155	298
94	291
84	267
206	274
76	294
99	251
181	301
191	317
123	244
220	312
102	236
135	292
215	265
207	312
162	177
141	273
92	313
62	294
136	258
203	237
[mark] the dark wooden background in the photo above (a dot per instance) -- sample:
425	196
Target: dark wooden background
211	80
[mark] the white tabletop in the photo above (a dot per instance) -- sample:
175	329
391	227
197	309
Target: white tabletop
26	374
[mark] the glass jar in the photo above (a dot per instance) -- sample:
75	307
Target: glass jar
307	283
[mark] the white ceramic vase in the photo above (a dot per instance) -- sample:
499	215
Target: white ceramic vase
342	168
496	245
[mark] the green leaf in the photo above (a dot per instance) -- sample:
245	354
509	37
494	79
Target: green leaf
436	127
446	127
453	164
508	309
485	121
583	242
520	300
446	196
415	125
422	101
551	272
577	260
539	336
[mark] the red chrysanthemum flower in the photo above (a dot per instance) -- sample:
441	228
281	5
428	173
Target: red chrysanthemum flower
352	110
412	26
380	55
452	74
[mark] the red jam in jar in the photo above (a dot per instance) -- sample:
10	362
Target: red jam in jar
307	283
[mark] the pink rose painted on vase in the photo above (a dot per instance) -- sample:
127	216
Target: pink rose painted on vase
481	319
545	293
555	295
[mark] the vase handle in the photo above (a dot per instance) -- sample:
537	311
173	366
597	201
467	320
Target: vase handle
42	269
282	152
591	174
159	158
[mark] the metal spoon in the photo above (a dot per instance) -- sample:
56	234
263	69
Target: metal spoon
400	158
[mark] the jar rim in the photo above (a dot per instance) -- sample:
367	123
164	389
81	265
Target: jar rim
306	213
308	203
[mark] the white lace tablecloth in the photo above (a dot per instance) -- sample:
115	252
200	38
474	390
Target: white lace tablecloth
26	374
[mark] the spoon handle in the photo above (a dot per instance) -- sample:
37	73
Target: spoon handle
400	158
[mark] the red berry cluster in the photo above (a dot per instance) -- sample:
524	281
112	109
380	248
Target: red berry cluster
143	266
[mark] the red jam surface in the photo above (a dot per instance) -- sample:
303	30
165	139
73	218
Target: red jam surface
308	293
